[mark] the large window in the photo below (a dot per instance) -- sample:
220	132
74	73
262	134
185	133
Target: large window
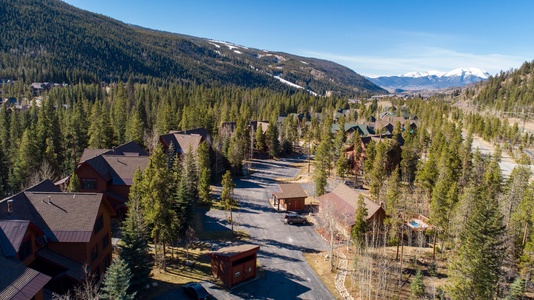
88	184
99	224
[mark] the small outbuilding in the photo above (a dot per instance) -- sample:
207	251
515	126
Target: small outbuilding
235	264
291	197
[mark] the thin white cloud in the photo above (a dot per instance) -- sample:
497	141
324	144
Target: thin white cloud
420	58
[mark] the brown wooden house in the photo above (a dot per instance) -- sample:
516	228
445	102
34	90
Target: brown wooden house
111	171
290	197
343	201
233	265
58	233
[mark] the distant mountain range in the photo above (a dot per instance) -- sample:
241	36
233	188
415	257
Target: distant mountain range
430	80
49	40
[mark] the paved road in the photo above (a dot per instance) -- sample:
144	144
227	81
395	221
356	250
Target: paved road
286	274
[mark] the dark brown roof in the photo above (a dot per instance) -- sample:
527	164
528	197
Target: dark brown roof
128	149
19	282
119	169
11	234
345	199
290	190
44	186
233	250
122	168
74	268
91	153
69	217
182	142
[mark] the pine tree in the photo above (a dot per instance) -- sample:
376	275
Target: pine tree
417	287
360	223
474	271
204	167
134	129
116	282
227	194
342	165
271	139
74	183
260	139
134	241
157	200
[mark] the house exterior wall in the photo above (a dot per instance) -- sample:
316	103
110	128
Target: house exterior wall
85	171
293	203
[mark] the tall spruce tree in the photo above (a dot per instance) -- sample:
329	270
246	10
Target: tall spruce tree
360	223
204	170
474	271
134	241
116	283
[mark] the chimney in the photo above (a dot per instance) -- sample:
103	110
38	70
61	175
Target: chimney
10	206
49	199
73	196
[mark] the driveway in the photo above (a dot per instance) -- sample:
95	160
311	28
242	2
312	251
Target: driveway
286	273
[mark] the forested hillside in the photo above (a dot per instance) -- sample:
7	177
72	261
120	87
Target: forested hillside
52	41
511	91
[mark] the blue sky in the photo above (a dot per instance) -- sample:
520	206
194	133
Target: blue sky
372	37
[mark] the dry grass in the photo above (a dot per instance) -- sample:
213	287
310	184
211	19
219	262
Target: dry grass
181	270
414	258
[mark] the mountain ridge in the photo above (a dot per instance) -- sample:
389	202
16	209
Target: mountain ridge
50	40
431	79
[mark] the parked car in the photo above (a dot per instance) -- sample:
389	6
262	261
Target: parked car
196	291
294	218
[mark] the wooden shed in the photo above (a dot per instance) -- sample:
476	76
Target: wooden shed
291	197
235	264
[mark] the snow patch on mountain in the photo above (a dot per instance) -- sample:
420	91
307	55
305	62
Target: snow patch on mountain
431	79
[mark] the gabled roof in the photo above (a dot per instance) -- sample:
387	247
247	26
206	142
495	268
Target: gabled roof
19	282
11	234
127	149
122	168
184	140
62	217
290	190
345	199
117	168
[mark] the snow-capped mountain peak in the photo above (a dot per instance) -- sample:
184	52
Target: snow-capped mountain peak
431	79
423	74
468	72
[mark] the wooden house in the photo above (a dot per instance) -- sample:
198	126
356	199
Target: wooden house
58	233
343	201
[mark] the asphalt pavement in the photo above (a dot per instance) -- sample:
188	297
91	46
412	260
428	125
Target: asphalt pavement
286	274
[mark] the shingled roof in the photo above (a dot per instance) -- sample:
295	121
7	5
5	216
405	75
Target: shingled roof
19	282
290	190
128	149
62	217
345	200
118	168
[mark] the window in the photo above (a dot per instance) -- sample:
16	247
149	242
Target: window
105	241
25	249
94	252
88	184
99	224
